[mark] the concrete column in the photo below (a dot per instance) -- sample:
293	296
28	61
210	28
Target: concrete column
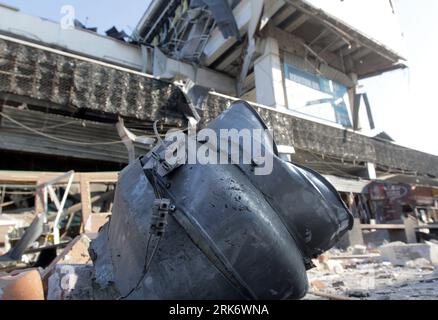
410	229
352	90
269	76
352	94
371	169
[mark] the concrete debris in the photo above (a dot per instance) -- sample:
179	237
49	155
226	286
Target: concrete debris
318	285
359	249
334	266
358	293
337	284
399	253
71	282
317	295
376	279
69	275
420	263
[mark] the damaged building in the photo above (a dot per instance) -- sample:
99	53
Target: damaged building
73	99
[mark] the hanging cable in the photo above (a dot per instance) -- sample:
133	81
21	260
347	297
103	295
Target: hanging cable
157	134
56	138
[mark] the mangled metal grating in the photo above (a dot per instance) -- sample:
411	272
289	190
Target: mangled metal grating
61	80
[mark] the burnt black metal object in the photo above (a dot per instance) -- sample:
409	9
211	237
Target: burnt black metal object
230	235
116	34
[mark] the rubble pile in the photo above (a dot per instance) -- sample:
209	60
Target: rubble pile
358	273
355	274
395	271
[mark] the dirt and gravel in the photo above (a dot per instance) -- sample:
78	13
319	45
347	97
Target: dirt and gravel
370	276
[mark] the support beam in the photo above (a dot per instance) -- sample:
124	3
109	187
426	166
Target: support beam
167	68
257	10
338	45
290	42
218	45
229	59
250	81
297	22
410	229
271	7
347	51
344	30
360	53
269	77
284	13
371	169
352	96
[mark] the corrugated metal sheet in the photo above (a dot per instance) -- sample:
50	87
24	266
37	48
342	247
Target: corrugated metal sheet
15	138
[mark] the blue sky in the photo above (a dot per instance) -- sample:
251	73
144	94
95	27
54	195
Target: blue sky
403	102
100	13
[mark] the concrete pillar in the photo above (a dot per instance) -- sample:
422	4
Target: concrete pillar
352	91
371	169
352	96
410	229
269	76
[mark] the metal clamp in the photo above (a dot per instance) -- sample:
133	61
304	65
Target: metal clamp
160	212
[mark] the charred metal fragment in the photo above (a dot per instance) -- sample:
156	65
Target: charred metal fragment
116	34
231	234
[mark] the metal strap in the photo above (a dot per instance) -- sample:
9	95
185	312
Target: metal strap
201	239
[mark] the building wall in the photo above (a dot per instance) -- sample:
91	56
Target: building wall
320	139
59	80
79	41
36	75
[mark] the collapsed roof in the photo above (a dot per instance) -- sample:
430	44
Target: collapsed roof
186	30
71	85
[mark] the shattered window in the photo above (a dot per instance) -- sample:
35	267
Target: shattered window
317	96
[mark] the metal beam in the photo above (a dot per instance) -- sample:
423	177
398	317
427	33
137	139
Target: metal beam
271	7
256	13
285	13
297	22
344	30
229	59
218	45
167	68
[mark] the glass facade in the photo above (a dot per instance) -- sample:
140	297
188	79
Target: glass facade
316	96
